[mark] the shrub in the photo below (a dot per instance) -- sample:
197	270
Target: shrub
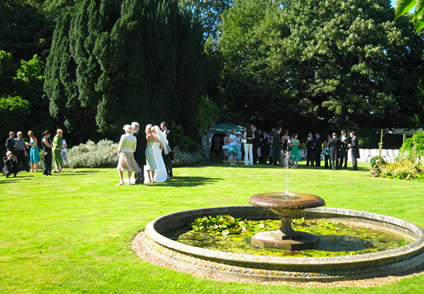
404	170
92	155
182	158
377	161
407	150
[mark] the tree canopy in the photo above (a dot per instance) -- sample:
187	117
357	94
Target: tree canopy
114	61
320	64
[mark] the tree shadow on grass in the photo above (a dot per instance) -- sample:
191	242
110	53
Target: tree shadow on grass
188	181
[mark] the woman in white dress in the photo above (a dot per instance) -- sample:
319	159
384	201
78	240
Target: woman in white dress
161	144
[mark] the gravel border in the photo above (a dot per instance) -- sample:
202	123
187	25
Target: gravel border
140	251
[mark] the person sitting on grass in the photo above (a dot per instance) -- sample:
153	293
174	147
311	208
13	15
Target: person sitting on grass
10	164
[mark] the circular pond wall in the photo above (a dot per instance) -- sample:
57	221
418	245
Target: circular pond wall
159	249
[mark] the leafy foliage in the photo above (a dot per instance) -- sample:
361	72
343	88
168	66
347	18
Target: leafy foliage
115	61
220	224
93	155
413	147
403	170
377	161
317	65
405	6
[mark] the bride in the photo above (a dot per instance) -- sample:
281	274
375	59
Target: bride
155	144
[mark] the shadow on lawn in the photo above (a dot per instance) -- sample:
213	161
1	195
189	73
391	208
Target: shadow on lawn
189	181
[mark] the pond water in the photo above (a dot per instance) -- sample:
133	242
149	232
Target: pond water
336	239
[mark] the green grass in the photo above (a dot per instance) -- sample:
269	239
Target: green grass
71	232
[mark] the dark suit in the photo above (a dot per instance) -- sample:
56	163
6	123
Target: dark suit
276	148
317	151
140	155
10	145
256	143
354	149
334	145
343	152
167	158
310	152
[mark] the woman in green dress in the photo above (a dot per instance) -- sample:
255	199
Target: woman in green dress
295	150
57	149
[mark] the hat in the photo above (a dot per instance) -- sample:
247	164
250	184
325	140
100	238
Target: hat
127	128
238	133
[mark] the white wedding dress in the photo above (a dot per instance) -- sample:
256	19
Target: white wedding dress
160	173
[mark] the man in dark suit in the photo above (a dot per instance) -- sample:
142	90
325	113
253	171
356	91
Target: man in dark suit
140	152
276	146
354	149
10	142
310	150
317	149
334	145
167	158
256	143
343	149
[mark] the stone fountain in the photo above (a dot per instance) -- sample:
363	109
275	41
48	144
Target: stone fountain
287	206
156	244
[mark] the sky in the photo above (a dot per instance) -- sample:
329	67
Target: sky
393	3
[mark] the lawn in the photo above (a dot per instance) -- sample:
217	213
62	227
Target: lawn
71	232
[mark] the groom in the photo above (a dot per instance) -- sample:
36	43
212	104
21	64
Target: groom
140	152
167	158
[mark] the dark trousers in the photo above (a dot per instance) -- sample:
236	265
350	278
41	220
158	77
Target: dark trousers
354	161
343	159
334	158
47	164
255	153
168	164
309	158
327	160
275	155
139	177
22	160
317	158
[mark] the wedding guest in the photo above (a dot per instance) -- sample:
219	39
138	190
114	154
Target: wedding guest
64	150
151	166
34	152
310	150
334	143
140	152
232	150
248	146
57	151
21	152
47	145
317	149
295	150
239	153
167	158
126	148
10	142
266	146
354	149
343	149
10	164
255	142
226	146
276	146
326	152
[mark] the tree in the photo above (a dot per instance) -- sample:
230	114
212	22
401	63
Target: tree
320	65
115	61
404	6
208	13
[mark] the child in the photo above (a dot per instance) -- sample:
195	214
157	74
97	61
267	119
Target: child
10	164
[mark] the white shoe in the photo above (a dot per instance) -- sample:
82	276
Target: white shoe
120	183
